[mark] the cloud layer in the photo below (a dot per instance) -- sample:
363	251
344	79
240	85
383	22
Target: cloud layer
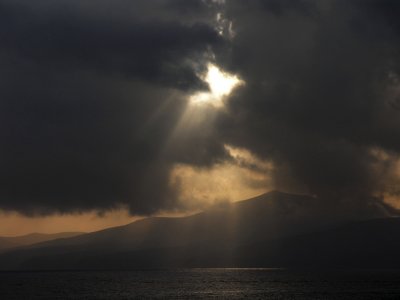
92	94
90	91
322	92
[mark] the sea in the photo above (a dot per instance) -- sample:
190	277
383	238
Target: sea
202	284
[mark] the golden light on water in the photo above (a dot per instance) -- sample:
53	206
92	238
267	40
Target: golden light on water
221	85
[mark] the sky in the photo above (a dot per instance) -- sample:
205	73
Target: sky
113	110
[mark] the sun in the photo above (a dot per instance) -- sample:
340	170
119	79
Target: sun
221	85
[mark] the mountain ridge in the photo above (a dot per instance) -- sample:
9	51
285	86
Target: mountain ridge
261	231
10	242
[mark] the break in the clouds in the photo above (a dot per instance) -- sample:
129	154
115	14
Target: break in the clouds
95	108
90	92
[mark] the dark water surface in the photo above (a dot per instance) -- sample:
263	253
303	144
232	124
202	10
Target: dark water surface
202	283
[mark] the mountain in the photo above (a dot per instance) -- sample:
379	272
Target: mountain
7	243
274	229
363	244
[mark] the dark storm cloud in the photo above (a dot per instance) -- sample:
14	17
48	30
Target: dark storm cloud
149	49
90	91
321	87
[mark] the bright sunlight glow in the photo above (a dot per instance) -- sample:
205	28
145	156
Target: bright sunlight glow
221	85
